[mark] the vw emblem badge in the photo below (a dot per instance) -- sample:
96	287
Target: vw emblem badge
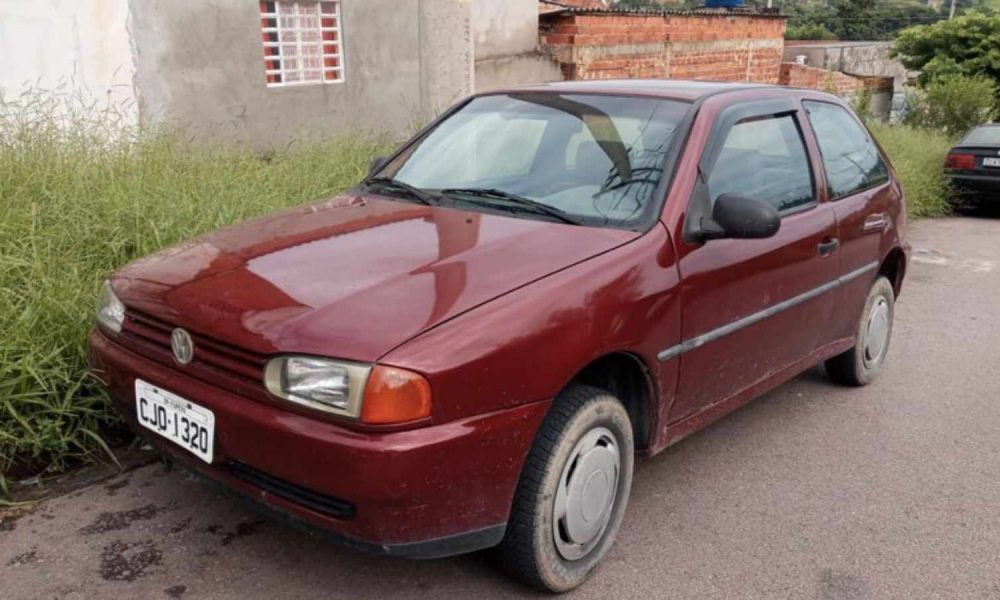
183	346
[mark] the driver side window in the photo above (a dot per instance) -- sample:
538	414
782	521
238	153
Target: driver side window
764	159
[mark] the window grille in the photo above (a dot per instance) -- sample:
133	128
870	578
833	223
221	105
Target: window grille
303	42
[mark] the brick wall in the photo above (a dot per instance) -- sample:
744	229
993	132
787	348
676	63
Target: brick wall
834	82
695	45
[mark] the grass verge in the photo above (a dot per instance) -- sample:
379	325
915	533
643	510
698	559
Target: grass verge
80	196
918	156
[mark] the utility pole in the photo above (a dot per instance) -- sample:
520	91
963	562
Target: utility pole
951	15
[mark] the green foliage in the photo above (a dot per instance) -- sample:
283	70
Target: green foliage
855	19
862	104
80	196
809	31
968	45
953	103
918	156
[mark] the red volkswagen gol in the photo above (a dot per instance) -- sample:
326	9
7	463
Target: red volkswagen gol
469	349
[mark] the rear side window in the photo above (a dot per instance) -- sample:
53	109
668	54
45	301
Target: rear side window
850	157
987	136
764	159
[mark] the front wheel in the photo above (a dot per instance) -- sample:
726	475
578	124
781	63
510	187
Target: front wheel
573	491
860	364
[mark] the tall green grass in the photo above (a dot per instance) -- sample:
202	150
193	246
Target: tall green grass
918	156
81	194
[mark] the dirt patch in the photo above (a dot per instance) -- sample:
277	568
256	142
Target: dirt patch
23	559
8	523
114	521
10	516
128	562
242	530
181	526
81	476
112	488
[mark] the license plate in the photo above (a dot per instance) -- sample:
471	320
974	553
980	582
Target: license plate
991	162
181	421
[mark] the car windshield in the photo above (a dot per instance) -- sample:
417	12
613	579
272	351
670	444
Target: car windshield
988	135
587	159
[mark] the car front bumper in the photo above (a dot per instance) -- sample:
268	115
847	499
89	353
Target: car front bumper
424	493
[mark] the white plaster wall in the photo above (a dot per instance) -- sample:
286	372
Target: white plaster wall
80	45
504	27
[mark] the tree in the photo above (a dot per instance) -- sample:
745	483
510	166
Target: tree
855	20
810	31
968	45
954	103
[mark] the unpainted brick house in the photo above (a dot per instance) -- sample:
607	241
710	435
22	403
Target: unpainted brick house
728	45
592	39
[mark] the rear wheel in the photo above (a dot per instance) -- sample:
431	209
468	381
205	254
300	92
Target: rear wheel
573	491
861	364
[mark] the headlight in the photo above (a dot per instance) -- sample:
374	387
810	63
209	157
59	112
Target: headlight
330	386
110	310
378	396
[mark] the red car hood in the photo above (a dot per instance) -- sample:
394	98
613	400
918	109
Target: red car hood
352	277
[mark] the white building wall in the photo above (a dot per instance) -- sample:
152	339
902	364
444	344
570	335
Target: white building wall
80	45
504	28
505	33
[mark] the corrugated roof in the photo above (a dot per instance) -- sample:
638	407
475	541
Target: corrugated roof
559	8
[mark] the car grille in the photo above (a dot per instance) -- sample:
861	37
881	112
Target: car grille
326	505
239	368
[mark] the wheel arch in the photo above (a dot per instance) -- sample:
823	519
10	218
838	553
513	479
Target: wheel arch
628	377
893	268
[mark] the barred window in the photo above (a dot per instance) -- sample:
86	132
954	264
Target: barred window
302	42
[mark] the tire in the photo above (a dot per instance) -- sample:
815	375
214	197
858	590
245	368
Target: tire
862	363
585	441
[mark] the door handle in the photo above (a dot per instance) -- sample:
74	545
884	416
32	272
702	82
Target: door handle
876	222
828	246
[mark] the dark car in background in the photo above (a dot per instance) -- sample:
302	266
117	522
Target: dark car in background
974	166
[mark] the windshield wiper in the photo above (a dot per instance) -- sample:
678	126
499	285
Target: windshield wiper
404	188
519	201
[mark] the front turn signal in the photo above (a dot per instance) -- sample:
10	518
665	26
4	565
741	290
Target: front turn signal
395	396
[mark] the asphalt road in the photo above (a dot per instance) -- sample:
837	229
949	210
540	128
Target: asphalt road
813	491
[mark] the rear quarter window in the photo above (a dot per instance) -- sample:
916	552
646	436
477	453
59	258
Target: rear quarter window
850	157
987	136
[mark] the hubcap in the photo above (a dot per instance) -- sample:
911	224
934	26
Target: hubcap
586	494
877	333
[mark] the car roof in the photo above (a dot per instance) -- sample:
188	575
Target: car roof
678	89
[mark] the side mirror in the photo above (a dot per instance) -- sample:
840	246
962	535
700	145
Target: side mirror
377	163
740	217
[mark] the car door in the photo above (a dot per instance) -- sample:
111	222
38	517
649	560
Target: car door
861	195
752	308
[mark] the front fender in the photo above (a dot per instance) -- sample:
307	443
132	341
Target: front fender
526	345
